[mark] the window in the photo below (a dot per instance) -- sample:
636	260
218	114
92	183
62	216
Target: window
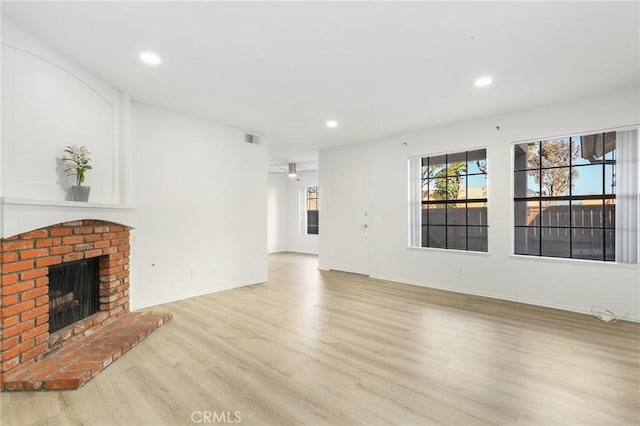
565	195
309	216
452	208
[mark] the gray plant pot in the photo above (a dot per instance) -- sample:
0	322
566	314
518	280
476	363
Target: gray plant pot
80	193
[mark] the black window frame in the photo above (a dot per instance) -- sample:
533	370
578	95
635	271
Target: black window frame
425	240
312	195
604	198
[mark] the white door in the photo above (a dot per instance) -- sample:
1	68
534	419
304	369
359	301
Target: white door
348	205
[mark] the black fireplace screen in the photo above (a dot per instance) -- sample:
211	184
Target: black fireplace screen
73	292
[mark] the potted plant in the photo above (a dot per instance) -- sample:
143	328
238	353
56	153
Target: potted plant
77	157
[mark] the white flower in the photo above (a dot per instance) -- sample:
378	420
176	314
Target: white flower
79	159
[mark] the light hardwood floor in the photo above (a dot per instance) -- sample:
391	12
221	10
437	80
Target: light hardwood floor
313	348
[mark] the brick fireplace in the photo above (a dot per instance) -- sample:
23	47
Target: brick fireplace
24	286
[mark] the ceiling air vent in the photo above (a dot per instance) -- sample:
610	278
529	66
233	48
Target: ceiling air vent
249	138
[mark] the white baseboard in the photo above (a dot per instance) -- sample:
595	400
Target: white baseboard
544	304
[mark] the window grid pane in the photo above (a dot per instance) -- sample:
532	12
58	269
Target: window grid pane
312	206
564	197
454	201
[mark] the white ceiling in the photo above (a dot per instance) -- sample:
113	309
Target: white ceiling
282	69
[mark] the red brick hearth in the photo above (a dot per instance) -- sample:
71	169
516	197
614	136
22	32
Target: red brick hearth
26	346
81	359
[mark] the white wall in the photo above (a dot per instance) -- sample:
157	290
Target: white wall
284	213
48	102
201	193
199	189
277	212
566	284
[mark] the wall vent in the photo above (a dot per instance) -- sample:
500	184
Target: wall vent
249	138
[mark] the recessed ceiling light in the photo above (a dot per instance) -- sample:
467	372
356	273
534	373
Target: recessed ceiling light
150	58
483	81
332	123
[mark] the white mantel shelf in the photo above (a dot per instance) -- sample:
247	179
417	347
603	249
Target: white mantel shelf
68	204
18	215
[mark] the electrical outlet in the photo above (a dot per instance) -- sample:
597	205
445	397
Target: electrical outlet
193	274
460	270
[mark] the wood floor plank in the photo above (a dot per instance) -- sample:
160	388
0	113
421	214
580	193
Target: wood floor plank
329	348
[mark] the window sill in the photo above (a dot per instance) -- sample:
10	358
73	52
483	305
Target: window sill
450	251
575	262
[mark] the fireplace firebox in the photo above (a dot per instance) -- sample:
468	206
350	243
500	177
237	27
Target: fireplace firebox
73	292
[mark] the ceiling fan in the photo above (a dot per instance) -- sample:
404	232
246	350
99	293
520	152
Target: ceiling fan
291	170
